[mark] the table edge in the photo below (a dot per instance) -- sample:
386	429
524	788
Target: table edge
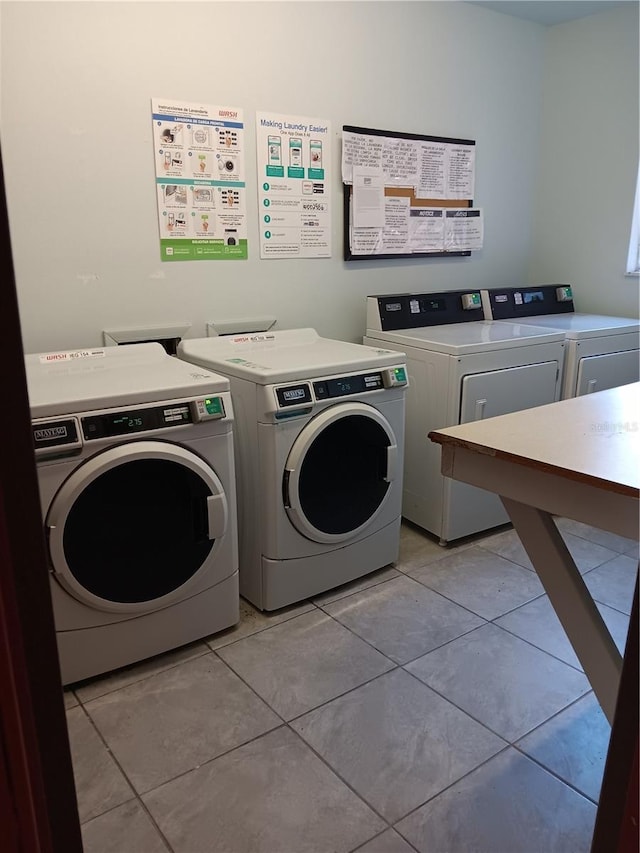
443	439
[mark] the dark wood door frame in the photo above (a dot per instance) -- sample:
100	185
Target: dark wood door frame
38	808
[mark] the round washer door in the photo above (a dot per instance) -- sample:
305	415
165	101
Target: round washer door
338	472
134	526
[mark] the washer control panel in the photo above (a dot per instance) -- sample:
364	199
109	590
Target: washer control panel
302	395
64	436
127	421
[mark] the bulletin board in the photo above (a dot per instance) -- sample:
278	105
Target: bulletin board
416	201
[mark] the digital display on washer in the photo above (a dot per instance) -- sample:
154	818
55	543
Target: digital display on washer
293	395
135	420
433	305
346	385
533	296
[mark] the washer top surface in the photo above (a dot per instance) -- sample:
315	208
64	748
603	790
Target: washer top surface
283	356
578	325
469	338
104	377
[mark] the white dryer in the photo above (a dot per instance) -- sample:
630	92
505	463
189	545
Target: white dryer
601	352
134	455
319	445
461	368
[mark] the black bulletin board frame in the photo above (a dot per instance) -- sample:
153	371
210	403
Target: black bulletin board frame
401	191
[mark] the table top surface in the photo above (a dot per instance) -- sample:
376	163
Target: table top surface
593	439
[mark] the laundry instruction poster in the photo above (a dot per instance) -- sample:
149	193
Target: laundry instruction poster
200	181
294	181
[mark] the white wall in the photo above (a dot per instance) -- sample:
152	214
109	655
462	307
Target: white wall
589	160
77	81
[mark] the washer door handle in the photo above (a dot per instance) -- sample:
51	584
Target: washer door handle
392	463
216	515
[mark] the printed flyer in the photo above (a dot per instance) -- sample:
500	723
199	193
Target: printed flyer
200	181
294	181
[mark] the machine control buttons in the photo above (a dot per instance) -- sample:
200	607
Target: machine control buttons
177	413
564	294
395	377
471	300
207	409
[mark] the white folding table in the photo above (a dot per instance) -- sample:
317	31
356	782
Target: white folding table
577	458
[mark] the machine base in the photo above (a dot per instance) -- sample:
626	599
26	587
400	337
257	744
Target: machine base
288	581
92	651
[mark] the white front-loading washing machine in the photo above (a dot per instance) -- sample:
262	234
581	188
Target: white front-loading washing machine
135	463
601	352
319	446
461	368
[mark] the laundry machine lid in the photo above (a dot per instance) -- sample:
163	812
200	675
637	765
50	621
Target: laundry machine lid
580	326
282	356
69	381
468	338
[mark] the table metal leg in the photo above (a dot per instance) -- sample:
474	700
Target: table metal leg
571	600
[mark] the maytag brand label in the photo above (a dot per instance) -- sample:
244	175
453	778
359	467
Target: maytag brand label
55	433
47	433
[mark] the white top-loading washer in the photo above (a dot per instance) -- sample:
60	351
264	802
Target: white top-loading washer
134	453
319	427
601	351
461	368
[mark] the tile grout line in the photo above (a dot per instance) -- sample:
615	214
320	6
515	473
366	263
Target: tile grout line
465	607
327	701
450	785
551	772
462	710
323	604
344	782
483	724
422	654
415	580
538	648
145	677
266	627
136	795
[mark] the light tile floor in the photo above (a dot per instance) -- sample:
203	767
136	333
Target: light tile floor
435	705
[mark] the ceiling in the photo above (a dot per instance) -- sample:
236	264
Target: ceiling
549	12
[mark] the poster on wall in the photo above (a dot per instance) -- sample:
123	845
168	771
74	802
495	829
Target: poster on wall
200	181
294	180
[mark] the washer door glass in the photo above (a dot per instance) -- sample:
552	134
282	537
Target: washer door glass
134	524
339	471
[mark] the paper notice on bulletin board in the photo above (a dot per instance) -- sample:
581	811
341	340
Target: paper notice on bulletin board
426	229
409	229
200	181
433	169
294	180
463	230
